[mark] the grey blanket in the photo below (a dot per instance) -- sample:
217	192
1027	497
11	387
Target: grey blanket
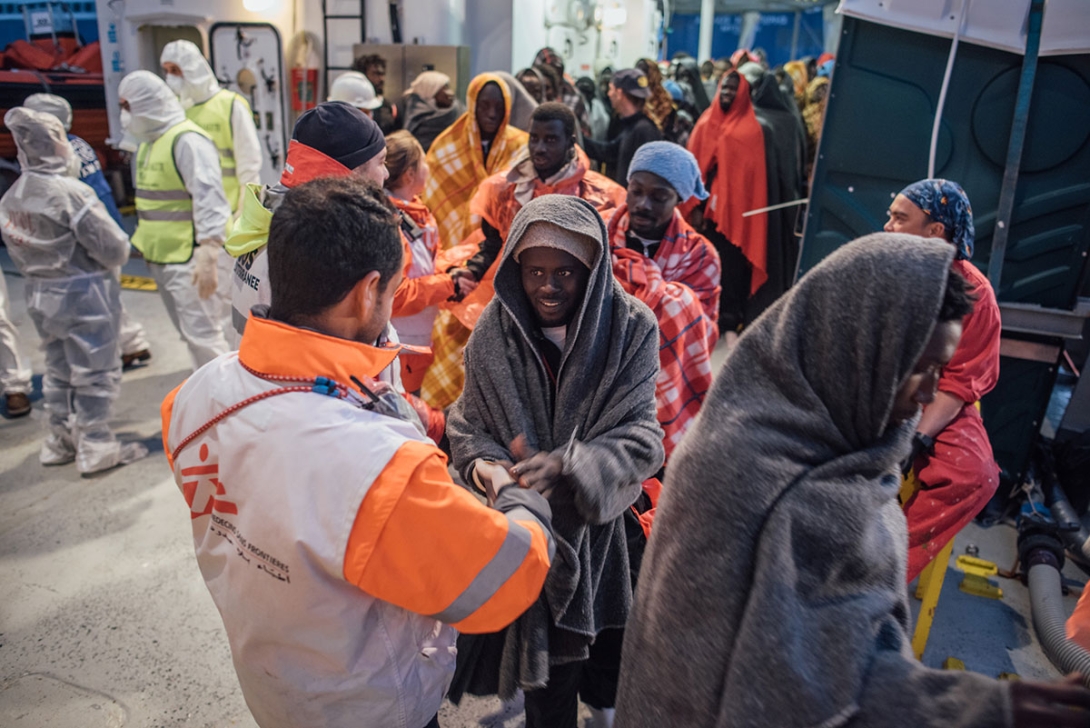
773	588
522	103
601	419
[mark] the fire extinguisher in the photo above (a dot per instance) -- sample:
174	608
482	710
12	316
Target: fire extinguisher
304	78
304	89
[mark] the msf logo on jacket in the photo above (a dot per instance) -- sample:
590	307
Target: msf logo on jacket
203	490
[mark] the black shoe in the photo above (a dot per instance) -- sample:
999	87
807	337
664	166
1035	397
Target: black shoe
18	405
128	361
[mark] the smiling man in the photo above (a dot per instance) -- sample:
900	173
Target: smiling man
560	388
951	452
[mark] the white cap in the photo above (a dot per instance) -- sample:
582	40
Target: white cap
354	88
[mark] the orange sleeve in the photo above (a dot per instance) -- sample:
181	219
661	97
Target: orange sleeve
427	545
416	294
166	410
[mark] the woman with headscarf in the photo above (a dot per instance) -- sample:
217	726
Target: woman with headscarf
535	83
429	107
729	146
600	114
796	71
659	106
773	592
687	73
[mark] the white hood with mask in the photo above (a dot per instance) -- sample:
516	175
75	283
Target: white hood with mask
42	142
200	82
153	107
54	226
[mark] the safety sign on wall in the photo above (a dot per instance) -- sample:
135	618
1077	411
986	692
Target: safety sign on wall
246	58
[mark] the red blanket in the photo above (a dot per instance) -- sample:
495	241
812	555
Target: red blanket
686	340
683	256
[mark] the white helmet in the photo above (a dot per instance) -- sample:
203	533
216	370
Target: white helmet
354	88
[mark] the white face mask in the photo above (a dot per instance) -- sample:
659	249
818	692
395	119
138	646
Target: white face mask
126	119
176	83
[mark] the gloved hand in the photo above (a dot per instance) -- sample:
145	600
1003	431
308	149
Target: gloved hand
204	269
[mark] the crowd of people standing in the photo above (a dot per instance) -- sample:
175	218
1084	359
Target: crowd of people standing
531	285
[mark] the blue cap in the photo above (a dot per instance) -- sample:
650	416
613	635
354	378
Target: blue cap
672	162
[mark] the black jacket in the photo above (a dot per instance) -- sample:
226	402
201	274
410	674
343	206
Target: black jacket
632	133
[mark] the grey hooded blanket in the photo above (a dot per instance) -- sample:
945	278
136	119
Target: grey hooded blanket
601	418
773	587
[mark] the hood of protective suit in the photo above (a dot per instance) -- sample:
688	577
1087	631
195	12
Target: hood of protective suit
153	106
41	140
51	104
200	81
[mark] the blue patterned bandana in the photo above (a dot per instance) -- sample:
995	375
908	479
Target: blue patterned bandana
944	201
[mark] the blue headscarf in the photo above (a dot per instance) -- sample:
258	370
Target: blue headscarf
944	201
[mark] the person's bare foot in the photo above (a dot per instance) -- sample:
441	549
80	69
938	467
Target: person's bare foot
18	404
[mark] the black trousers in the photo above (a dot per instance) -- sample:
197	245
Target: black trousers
434	722
594	680
736	277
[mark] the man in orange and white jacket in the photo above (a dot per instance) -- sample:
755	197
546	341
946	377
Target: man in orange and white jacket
339	552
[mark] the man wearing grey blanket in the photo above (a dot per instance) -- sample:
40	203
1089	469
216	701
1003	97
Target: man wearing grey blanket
773	587
560	395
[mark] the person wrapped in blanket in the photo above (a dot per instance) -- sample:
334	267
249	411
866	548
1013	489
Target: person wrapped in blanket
560	390
661	260
551	164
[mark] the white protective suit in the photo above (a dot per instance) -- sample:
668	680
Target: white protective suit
200	84
14	370
133	338
66	245
153	111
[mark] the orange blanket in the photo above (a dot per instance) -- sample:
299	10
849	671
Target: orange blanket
457	164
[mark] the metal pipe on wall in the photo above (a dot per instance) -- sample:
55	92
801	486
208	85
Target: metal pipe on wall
707	24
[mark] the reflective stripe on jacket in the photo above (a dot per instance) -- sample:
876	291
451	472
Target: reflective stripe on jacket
214	116
164	208
337	549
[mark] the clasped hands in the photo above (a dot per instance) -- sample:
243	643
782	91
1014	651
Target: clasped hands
464	283
535	470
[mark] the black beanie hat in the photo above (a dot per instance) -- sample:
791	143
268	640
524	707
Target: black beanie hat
340	131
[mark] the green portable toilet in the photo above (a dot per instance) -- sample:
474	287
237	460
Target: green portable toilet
877	137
